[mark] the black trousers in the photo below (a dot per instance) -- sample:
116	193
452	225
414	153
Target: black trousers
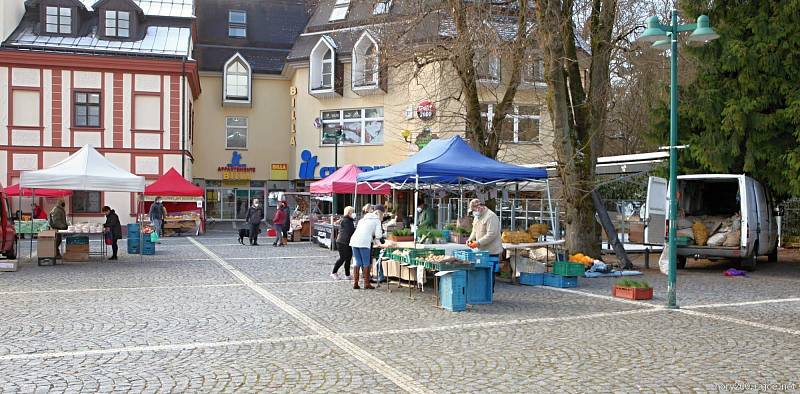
254	233
345	257
114	247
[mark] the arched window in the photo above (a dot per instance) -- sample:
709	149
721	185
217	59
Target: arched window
326	82
371	66
366	65
237	79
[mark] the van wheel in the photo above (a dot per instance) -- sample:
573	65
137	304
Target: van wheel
681	262
773	256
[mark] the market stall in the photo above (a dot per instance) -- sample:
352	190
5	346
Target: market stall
343	181
88	170
452	166
26	223
183	201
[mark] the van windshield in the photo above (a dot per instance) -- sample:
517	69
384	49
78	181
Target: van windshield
717	197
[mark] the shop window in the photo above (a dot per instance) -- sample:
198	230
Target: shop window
359	126
86	201
237	79
87	109
237	24
236	132
58	20
339	10
118	24
519	126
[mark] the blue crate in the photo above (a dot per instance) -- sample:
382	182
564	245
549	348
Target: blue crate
77	240
563	282
133	230
481	259
479	286
531	279
452	291
133	248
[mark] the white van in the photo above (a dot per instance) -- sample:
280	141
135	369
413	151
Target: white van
724	204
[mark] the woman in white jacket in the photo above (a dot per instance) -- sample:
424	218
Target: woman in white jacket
368	231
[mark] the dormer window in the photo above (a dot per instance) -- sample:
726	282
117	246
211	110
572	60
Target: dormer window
326	78
488	67
237	80
118	24
533	70
366	65
382	7
237	24
339	10
58	20
325	74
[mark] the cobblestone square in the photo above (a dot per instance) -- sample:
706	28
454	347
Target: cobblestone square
206	314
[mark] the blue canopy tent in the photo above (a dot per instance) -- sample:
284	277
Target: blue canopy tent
452	161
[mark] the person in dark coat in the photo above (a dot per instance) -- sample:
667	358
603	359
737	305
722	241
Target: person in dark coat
288	221
113	226
58	221
254	216
346	229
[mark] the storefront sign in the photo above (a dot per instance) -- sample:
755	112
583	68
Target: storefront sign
310	162
426	110
236	170
279	172
293	130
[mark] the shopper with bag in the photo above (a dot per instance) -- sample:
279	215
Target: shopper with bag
112	229
278	222
368	232
346	229
157	213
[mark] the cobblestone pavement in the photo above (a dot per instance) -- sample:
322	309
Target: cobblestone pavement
209	315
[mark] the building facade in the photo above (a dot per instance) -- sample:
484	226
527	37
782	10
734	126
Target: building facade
114	74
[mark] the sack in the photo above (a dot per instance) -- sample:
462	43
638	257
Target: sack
717	239
154	237
108	237
732	239
663	260
700	233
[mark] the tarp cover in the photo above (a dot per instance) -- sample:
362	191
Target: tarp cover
343	181
13	191
173	184
447	161
86	169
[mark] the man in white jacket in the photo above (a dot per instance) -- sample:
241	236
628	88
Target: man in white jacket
368	232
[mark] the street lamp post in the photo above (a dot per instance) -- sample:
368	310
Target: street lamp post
661	35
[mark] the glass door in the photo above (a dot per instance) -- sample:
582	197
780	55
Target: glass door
228	205
242	203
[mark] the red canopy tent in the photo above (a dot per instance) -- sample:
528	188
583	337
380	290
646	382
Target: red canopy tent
343	181
177	193
14	191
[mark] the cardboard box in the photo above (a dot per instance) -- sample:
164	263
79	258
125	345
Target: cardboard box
77	249
636	233
76	256
8	265
46	246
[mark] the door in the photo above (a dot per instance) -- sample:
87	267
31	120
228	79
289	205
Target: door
228	204
655	211
242	203
765	220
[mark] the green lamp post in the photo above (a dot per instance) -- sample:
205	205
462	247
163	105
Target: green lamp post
663	36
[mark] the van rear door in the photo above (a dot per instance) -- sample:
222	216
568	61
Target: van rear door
655	211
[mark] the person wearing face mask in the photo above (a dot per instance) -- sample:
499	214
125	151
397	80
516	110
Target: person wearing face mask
427	217
254	216
157	214
485	229
278	221
346	229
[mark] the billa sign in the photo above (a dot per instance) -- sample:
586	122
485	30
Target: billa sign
426	110
236	170
279	172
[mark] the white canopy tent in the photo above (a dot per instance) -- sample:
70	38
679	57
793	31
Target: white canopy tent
86	169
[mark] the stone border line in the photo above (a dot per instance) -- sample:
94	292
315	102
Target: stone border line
400	379
99	289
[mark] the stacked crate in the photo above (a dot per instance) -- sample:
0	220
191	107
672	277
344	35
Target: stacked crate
479	280
452	290
134	234
565	274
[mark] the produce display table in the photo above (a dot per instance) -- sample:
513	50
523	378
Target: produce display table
31	227
449	248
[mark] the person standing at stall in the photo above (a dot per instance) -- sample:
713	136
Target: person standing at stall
58	221
287	222
427	217
368	232
346	229
114	228
157	213
38	212
254	216
485	230
278	222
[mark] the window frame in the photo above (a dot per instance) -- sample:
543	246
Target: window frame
59	15
248	73
361	59
246	128
493	60
386	7
534	61
237	25
340	10
362	119
116	19
88	105
73	199
515	117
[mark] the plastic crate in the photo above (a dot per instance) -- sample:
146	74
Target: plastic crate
133	230
78	240
415	255
568	268
682	241
479	286
148	250
481	259
452	291
133	248
531	279
563	282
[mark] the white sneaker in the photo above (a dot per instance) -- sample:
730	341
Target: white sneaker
335	277
348	277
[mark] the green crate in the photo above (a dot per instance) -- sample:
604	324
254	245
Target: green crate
568	268
682	241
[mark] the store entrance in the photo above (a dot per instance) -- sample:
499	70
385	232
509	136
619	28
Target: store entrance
231	203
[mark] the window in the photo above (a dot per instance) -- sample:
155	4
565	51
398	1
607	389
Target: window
488	67
237	24
236	132
118	24
382	7
87	109
359	126
365	62
534	70
86	201
237	79
326	78
519	126
339	10
59	20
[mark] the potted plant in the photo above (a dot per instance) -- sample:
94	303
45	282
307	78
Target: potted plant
459	235
632	290
401	235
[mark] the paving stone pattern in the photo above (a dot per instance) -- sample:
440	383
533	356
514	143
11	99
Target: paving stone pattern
180	321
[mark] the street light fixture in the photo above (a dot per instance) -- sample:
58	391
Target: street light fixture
661	35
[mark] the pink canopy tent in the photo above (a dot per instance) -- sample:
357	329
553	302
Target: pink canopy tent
343	181
14	191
